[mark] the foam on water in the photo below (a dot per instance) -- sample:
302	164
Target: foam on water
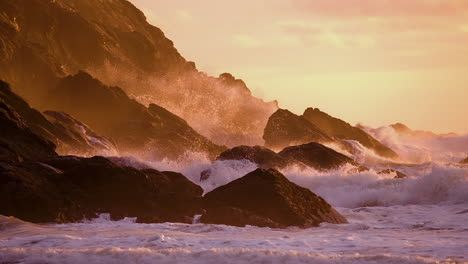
395	234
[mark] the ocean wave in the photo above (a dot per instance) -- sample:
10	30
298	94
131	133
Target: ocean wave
167	256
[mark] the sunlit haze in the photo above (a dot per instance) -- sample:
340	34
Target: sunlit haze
374	62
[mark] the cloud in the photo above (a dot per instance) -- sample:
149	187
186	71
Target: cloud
184	15
383	7
246	41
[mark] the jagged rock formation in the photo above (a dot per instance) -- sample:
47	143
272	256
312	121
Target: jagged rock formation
68	138
340	129
150	131
267	198
69	189
112	40
17	141
287	129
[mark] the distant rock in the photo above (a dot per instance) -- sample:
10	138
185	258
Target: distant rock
398	174
340	129
267	198
403	130
265	158
68	189
317	156
150	131
465	161
287	129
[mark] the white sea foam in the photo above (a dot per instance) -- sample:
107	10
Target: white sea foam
394	234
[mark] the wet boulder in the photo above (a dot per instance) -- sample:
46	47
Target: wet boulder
317	156
267	198
264	157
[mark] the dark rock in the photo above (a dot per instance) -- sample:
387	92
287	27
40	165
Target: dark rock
399	175
317	156
262	156
205	175
37	192
287	129
150	131
234	216
69	188
267	198
18	141
465	161
340	129
68	134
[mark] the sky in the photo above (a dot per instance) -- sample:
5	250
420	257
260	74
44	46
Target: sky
375	62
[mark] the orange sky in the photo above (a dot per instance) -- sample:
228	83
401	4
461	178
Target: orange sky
371	61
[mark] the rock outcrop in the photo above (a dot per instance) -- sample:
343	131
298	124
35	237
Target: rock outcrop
267	198
150	131
287	129
465	161
18	142
68	134
69	189
87	142
340	129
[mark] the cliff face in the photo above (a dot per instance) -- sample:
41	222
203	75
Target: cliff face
112	40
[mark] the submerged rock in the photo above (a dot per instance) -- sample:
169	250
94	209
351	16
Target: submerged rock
267	198
398	174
